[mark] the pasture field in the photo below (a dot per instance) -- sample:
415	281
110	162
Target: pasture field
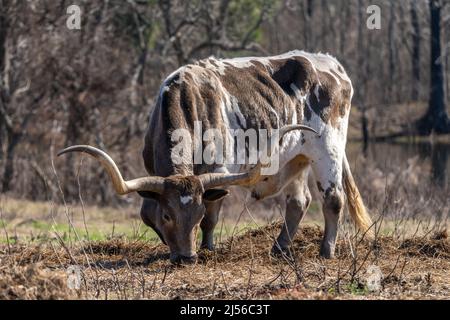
118	258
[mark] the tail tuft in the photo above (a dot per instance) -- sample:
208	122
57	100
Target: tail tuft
356	207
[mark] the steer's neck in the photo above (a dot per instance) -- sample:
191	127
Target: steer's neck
167	121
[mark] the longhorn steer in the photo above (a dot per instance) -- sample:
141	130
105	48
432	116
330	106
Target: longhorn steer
295	90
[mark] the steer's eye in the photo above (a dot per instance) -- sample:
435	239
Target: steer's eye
166	217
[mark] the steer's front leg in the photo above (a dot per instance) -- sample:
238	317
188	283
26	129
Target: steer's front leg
329	182
332	208
298	199
209	222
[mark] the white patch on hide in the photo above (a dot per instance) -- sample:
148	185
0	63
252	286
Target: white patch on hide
298	93
186	199
237	112
316	92
220	65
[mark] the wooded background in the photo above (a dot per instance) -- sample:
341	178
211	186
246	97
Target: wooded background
97	85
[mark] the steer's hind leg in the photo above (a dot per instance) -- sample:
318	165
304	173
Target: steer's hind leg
298	199
209	222
328	174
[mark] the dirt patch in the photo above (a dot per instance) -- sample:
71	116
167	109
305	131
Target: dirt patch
31	282
431	248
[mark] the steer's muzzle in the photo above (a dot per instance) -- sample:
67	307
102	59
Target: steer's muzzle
180	259
255	195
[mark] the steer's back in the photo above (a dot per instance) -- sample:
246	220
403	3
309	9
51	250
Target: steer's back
244	93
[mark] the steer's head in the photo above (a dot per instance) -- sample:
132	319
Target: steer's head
174	206
176	213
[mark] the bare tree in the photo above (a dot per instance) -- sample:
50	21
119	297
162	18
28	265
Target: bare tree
436	118
392	60
416	45
14	115
98	84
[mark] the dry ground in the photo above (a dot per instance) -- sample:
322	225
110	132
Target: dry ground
119	258
416	267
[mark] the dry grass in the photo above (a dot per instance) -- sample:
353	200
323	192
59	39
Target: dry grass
240	268
32	281
120	259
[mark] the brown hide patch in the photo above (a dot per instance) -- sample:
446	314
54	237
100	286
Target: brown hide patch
321	104
295	70
189	99
258	95
176	112
333	98
203	97
183	101
346	92
189	185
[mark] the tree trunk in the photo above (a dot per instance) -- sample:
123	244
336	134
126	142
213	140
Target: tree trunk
8	171
436	118
3	31
344	29
392	54
307	9
3	34
362	77
447	72
2	139
325	26
365	131
416	39
439	159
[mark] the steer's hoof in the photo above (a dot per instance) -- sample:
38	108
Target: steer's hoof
281	253
183	260
326	253
209	247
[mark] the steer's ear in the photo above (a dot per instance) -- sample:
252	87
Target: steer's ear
215	194
149	195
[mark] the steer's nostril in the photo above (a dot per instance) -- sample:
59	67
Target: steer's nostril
179	260
255	195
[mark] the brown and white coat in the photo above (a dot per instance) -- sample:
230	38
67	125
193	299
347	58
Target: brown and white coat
253	93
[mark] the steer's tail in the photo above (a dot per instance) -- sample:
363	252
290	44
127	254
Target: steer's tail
355	204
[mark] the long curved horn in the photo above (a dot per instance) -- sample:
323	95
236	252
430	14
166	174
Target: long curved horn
211	180
154	184
291	127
